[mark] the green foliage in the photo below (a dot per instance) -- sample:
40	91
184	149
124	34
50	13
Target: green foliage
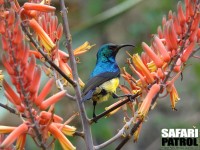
94	7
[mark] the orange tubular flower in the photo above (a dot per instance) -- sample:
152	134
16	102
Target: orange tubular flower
160	73
2	27
1	2
39	7
152	55
198	35
18	37
83	48
176	24
35	53
52	100
186	54
181	15
36	83
177	68
45	39
152	66
11	17
145	58
7	65
124	89
21	142
161	48
191	8
187	3
65	143
68	71
49	23
11	93
172	35
6	129
23	128
78	51
45	91
195	24
164	20
48	116
59	31
170	15
5	43
193	35
172	90
30	69
20	107
144	108
81	83
66	129
24	56
65	68
129	79
142	68
141	82
174	98
29	13
159	31
63	56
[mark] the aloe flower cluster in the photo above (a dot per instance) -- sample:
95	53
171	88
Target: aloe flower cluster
19	59
31	33
162	62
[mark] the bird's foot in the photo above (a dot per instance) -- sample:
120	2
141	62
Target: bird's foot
115	95
130	96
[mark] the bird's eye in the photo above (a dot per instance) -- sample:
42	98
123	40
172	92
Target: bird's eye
113	47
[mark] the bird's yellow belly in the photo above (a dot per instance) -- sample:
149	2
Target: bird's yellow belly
109	86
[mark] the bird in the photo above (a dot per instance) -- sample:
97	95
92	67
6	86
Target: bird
104	78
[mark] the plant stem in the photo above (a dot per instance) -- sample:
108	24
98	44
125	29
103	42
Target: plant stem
113	108
118	135
84	119
11	110
37	46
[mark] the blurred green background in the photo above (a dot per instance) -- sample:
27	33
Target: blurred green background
123	21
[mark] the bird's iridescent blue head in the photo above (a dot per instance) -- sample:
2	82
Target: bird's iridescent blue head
109	51
106	59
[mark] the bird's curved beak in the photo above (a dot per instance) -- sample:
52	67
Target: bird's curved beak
123	45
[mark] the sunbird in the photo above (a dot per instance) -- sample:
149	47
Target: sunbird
104	79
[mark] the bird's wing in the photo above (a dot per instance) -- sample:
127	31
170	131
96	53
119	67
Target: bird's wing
97	81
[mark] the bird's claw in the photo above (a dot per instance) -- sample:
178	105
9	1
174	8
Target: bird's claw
130	97
115	95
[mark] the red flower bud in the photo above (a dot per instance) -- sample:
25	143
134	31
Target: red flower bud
181	15
152	55
11	93
186	54
38	7
161	48
52	100
45	91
